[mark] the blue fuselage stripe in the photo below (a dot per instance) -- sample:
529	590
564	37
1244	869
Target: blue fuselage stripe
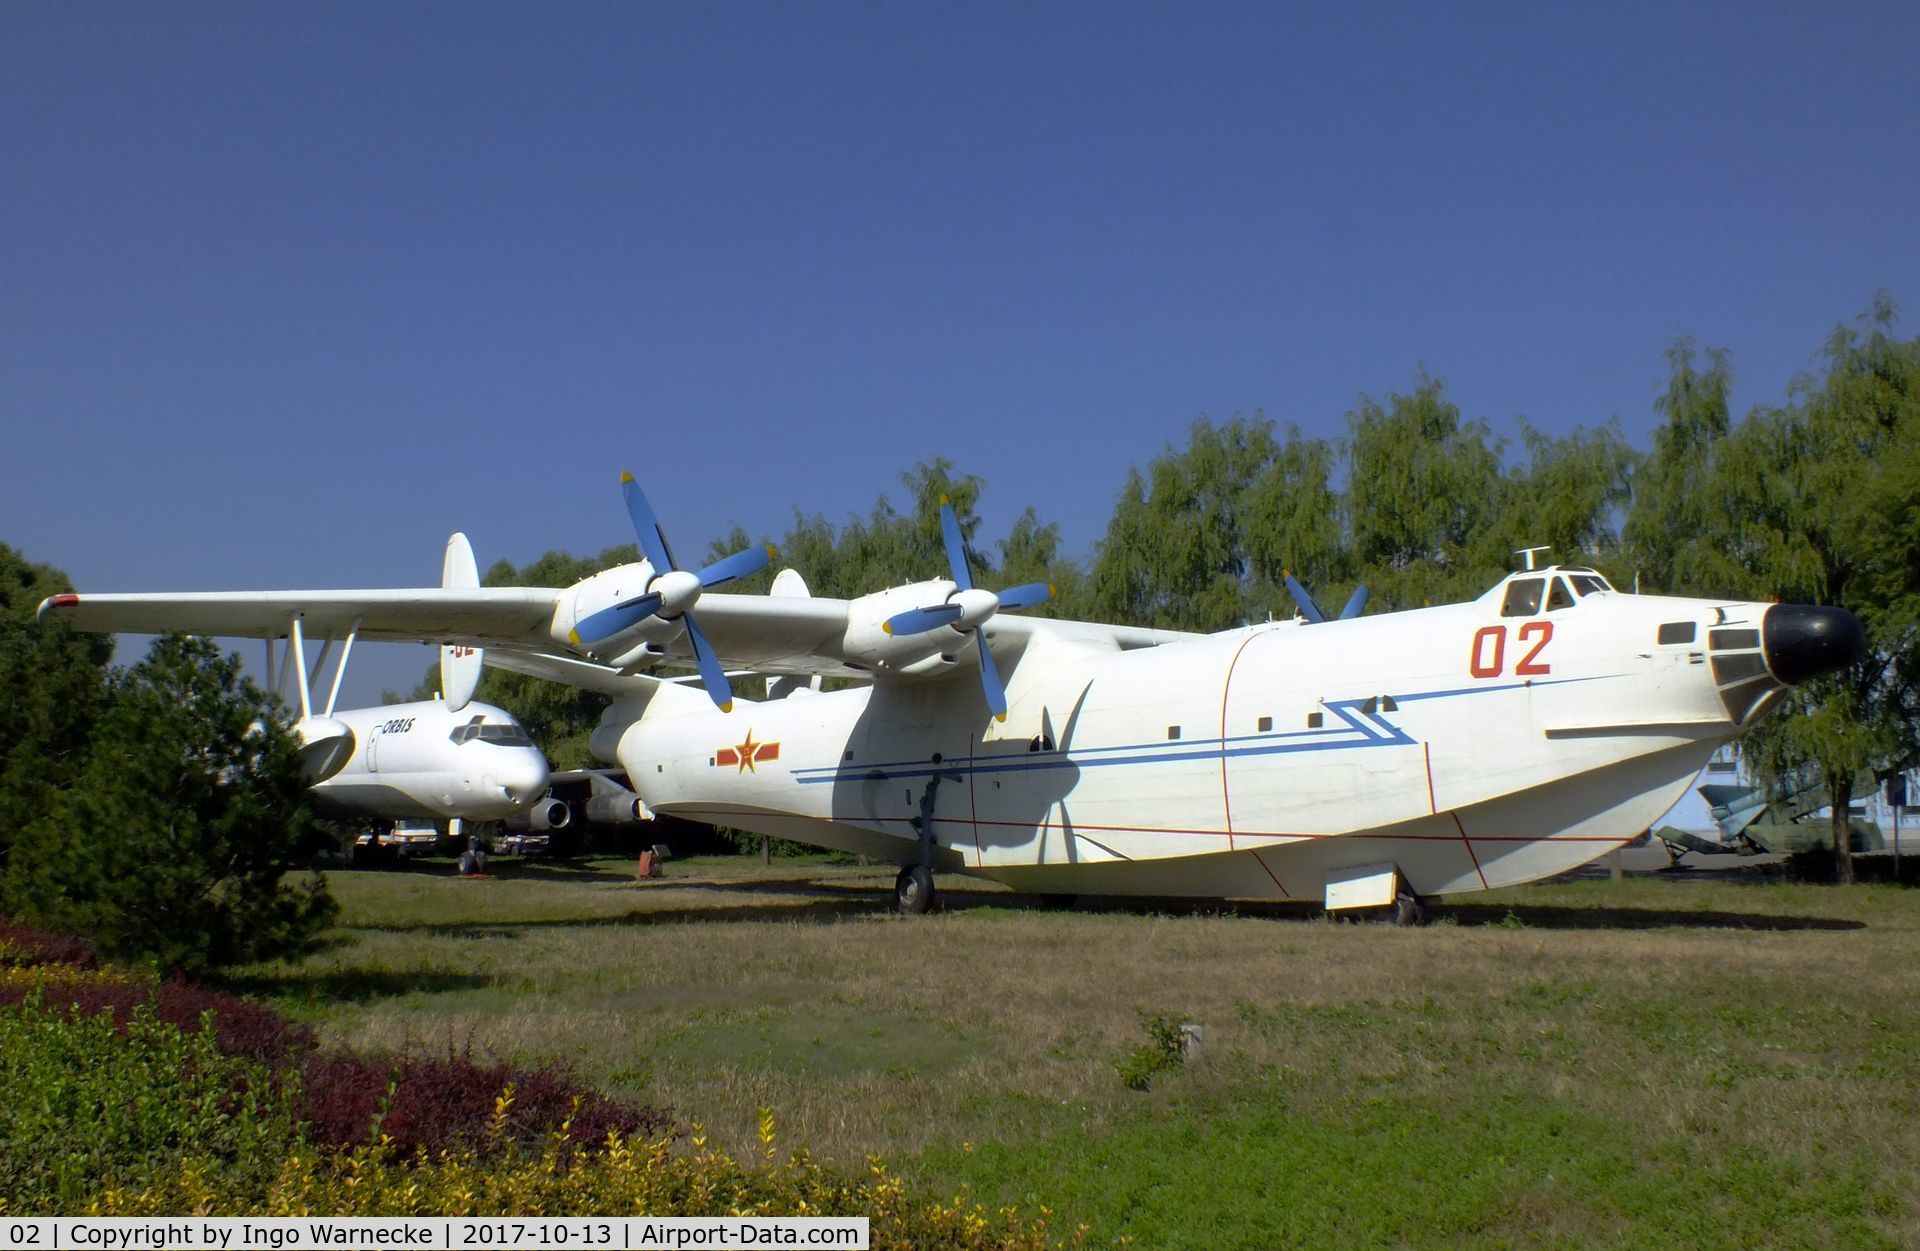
1359	730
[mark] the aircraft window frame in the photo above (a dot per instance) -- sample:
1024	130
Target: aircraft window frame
1516	602
503	735
1585	584
1559	595
1677	633
498	735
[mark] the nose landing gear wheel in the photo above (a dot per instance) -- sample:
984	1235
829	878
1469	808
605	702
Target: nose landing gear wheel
1409	909
913	890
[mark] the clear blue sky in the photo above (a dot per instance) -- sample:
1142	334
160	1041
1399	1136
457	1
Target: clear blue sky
287	293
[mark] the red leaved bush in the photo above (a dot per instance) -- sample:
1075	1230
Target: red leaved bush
428	1102
346	1099
23	945
240	1027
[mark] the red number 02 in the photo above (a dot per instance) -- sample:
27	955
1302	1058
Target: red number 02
1489	656
1530	664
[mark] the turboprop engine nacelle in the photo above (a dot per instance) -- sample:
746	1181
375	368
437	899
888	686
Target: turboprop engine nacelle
542	815
611	588
869	641
325	746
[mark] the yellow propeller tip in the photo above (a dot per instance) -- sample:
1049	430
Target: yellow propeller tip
945	500
626	476
727	707
1000	716
573	636
773	553
886	627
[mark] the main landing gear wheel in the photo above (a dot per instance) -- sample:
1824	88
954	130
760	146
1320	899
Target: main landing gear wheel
913	890
473	863
1409	909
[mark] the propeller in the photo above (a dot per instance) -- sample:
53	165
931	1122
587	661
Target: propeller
968	608
672	592
1311	611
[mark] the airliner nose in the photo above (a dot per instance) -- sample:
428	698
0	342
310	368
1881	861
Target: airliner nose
1803	641
526	777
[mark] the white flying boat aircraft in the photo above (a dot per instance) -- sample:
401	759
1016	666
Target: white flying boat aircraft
1359	761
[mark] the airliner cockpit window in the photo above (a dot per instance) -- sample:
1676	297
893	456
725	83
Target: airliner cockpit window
1523	598
505	736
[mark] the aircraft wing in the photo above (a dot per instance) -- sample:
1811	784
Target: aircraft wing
767	634
491	616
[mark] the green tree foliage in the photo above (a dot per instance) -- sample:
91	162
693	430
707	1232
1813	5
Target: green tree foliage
1422	486
1430	513
1568	494
1818	501
173	840
1671	533
52	687
1180	550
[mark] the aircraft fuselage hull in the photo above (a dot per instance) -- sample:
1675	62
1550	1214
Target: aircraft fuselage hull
1469	748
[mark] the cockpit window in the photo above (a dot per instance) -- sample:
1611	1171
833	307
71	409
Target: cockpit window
1588	583
1523	598
1559	596
499	735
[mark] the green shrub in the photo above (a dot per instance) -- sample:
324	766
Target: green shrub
1163	1052
83	1105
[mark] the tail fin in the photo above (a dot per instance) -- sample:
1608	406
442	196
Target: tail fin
459	666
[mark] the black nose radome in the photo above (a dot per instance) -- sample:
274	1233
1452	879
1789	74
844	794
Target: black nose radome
1803	641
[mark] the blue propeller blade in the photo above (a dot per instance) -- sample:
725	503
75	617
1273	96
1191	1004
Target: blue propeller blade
990	679
956	546
1308	609
610	621
1026	596
920	620
1356	605
653	542
712	676
741	564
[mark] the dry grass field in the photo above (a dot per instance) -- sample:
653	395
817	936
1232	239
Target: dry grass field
1650	1063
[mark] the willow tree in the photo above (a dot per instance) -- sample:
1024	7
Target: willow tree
1422	485
1180	545
1678	516
1818	501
